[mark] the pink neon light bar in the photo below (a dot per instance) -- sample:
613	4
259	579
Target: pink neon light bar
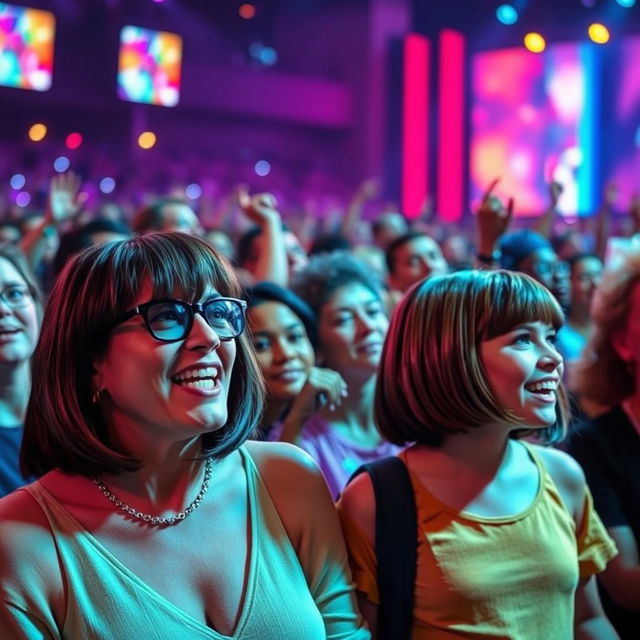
415	129
450	187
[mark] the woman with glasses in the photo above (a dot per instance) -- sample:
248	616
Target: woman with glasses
153	517
19	326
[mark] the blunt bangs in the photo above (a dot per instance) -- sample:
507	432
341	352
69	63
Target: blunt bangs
63	428
512	299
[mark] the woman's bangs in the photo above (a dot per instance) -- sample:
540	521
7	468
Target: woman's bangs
519	301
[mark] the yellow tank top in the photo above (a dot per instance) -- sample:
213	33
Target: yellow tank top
478	577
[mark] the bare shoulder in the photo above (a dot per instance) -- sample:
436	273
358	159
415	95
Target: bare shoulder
28	555
296	487
275	459
358	503
567	476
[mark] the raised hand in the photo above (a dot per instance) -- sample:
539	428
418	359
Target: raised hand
493	219
323	388
65	199
261	208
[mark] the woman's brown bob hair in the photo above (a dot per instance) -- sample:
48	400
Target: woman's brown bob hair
63	428
432	381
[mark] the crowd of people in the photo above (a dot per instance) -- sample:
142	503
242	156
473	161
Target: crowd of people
182	409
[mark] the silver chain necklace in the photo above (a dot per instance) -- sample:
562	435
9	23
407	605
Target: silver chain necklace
158	521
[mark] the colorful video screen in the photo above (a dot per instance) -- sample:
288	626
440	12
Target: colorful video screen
26	47
531	122
622	152
149	66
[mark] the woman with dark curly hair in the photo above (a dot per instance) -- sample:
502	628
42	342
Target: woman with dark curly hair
352	324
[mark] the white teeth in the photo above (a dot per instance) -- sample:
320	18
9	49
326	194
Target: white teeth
542	386
204	385
191	374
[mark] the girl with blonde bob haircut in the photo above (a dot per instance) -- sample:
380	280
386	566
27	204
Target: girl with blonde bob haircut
507	542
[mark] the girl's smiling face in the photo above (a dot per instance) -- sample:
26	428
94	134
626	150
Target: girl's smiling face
524	370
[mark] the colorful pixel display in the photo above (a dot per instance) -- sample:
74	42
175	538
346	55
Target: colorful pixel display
149	66
26	47
530	122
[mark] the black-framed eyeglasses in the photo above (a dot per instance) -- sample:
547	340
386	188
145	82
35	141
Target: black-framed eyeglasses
170	320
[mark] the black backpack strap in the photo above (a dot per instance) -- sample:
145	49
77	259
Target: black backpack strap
396	546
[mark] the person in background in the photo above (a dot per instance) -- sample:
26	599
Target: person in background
508	541
20	311
269	251
285	333
586	273
352	324
608	445
153	516
166	214
411	258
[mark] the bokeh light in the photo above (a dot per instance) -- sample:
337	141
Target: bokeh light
17	181
61	164
247	11
37	132
147	139
23	199
506	14
599	33
262	168
626	3
268	56
534	42
193	191
107	185
73	140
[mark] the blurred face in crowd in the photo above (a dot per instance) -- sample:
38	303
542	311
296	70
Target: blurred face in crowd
222	242
179	217
283	349
18	317
545	266
415	260
389	227
296	255
352	328
585	277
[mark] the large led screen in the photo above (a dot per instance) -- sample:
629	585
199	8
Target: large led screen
149	66
531	121
26	47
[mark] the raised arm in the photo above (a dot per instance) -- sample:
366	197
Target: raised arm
492	221
63	203
544	224
271	265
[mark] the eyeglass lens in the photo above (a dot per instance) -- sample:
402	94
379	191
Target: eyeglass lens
170	320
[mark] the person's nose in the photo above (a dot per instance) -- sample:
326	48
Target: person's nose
550	358
282	350
202	335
